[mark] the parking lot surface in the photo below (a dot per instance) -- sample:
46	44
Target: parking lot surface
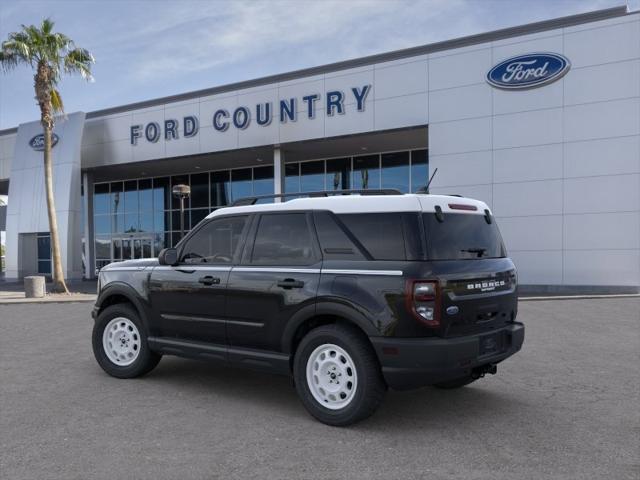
565	407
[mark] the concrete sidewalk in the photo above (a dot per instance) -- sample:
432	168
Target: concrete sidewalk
13	292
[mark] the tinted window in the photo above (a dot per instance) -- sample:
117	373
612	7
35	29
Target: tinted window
283	240
216	242
334	241
462	236
380	233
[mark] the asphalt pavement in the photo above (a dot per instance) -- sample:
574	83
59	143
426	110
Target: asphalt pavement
566	407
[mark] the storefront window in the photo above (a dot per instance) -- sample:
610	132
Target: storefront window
395	171
419	169
101	198
44	253
312	176
338	174
161	194
366	172
241	183
200	190
220	189
145	195
263	181
292	178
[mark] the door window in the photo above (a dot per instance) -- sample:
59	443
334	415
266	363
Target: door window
283	239
216	242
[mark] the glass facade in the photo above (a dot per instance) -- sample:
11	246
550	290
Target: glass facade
138	218
407	171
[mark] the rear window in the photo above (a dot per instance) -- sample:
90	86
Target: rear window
461	237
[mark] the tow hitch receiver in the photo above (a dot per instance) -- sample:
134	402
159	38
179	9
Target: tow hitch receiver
481	371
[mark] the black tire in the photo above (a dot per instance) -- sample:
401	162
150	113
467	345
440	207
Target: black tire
146	359
456	383
370	386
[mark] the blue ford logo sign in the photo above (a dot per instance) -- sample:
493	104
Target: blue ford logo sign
37	142
452	310
528	71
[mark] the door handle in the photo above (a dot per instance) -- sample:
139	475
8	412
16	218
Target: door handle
209	280
288	283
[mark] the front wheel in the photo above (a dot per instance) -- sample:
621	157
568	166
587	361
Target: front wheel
120	343
337	375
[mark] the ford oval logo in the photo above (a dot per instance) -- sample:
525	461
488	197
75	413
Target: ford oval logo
452	310
37	142
528	71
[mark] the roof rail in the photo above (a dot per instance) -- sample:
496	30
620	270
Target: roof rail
245	201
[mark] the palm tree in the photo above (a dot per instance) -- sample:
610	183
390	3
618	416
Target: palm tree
50	55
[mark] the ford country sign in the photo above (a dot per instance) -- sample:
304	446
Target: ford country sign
37	142
528	71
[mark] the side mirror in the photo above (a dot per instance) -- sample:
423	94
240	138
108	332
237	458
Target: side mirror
168	256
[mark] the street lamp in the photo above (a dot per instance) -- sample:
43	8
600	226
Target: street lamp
182	192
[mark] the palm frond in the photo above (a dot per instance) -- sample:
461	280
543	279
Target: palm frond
56	101
79	60
8	60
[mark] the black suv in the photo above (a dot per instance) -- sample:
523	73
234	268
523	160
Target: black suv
349	294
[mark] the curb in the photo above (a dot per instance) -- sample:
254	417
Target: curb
578	297
19	301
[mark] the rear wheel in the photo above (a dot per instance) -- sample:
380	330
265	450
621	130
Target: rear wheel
337	375
456	383
120	343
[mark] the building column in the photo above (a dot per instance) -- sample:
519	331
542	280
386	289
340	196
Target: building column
278	171
89	244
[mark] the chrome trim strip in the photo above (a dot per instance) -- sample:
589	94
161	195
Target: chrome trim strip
208	268
275	270
392	273
189	318
123	269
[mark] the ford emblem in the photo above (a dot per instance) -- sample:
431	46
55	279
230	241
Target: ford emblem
37	142
528	71
452	310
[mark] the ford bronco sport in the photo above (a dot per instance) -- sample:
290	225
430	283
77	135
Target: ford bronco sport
349	294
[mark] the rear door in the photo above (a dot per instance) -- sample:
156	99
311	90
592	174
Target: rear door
277	278
188	299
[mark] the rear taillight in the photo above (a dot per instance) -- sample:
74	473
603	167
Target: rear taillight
423	300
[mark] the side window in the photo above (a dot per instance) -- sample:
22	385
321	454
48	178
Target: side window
283	239
380	233
334	241
216	242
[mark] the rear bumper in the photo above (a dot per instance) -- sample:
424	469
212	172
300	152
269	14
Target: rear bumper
415	362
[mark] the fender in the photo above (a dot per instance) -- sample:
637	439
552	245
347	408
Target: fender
127	291
325	307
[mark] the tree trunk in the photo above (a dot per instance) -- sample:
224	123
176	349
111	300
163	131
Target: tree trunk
43	94
59	284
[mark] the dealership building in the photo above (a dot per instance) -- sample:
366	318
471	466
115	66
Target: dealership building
540	121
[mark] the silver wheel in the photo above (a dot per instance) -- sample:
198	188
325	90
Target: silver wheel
121	341
331	376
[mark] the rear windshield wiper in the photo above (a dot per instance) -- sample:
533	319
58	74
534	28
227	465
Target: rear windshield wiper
479	251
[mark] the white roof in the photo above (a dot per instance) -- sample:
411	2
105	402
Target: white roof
364	204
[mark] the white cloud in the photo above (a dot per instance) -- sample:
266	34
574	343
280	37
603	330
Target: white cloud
147	49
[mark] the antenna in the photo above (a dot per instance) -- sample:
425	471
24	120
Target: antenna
430	180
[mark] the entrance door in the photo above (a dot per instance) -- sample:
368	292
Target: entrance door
131	248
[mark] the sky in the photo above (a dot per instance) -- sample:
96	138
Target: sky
146	49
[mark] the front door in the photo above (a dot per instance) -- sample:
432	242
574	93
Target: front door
131	247
278	276
188	299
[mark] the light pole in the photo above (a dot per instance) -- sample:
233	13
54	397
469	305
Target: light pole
182	192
